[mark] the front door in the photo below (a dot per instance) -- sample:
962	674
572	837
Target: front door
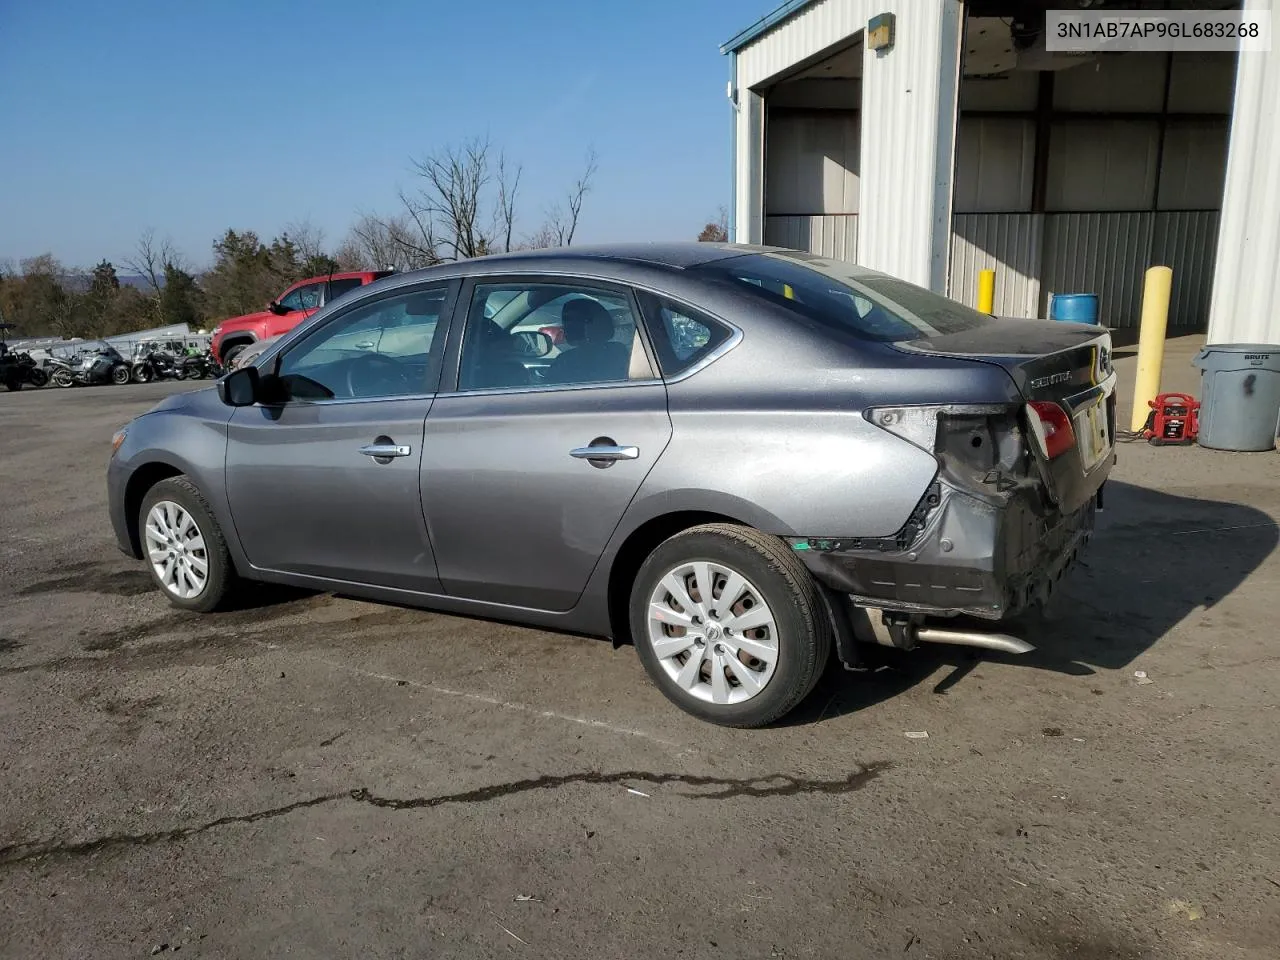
326	482
529	465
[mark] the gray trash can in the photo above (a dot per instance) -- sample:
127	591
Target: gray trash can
1239	395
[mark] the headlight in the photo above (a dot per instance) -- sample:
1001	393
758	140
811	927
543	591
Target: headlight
117	438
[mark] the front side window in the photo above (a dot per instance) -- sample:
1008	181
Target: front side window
549	334
304	298
380	349
847	297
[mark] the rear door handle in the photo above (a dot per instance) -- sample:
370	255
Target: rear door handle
385	451
603	452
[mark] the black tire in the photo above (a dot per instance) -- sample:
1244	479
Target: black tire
771	567
230	354
120	375
38	377
142	373
221	579
13	382
61	378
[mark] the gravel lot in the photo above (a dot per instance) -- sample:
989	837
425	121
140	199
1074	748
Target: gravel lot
319	776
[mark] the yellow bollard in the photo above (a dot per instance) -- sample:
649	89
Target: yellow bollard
986	291
1155	319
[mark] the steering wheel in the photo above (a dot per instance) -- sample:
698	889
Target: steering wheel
363	373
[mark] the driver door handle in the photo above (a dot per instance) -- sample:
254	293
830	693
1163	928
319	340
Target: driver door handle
386	450
603	452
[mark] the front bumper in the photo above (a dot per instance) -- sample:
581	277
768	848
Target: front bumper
972	557
117	482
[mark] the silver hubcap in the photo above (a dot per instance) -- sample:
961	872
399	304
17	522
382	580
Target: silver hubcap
712	632
176	549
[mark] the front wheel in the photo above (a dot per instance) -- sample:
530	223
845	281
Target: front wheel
184	547
142	372
38	377
120	375
61	378
729	625
230	354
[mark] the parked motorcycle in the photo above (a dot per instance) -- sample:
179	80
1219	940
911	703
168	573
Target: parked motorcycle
102	364
17	367
201	365
158	365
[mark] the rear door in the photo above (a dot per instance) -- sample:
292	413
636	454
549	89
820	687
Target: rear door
527	472
326	482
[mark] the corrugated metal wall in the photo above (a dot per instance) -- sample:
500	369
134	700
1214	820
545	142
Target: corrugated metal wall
829	236
810	31
1246	283
1038	255
1102	253
1011	244
811	162
1187	242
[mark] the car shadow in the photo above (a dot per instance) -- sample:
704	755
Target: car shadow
1155	560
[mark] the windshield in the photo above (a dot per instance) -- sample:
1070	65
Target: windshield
848	297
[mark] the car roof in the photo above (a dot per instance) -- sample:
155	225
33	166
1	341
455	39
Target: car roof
671	255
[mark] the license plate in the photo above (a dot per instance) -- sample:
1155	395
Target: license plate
1091	433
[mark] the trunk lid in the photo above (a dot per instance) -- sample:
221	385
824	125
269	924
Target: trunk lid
1067	364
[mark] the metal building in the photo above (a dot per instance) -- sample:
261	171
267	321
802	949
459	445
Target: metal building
965	145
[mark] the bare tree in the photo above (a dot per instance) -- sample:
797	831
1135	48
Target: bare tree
377	244
508	188
308	239
148	260
562	220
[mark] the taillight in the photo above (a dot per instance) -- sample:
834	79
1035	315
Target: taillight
555	333
1051	428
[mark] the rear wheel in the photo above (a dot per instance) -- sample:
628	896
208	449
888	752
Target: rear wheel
61	378
38	377
184	547
729	625
13	382
142	372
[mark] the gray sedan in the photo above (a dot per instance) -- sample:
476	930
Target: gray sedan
735	457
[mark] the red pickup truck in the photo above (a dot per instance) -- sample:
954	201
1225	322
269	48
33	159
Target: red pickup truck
283	314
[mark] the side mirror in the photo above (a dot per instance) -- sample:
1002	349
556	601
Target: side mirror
239	388
277	308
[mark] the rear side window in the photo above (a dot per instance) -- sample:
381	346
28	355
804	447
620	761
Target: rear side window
844	296
338	287
681	335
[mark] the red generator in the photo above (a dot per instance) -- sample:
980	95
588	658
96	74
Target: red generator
1174	420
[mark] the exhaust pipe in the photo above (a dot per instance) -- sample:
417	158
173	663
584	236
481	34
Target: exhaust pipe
969	638
870	625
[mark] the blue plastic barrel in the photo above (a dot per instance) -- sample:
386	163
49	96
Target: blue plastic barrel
1074	307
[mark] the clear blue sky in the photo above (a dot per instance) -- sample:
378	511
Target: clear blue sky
191	118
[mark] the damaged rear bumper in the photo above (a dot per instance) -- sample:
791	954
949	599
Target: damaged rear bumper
984	557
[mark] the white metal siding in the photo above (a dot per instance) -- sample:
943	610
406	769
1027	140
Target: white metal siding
1246	282
829	236
995	165
811	163
810	31
909	98
1102	165
1193	165
908	101
1008	243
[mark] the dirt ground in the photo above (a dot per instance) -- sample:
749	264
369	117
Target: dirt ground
313	776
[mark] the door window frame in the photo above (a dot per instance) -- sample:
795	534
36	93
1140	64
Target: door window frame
435	358
462	313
